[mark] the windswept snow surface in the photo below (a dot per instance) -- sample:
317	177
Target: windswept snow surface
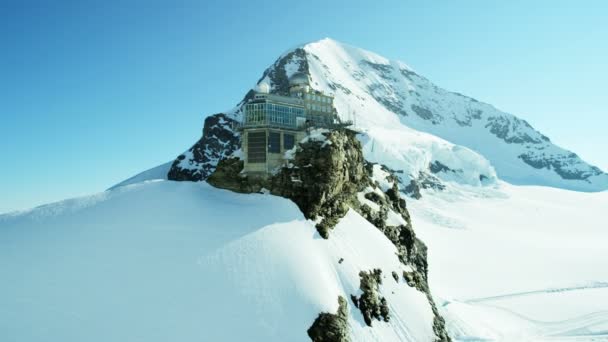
517	263
182	261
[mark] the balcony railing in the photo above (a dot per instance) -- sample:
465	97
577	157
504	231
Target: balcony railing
308	124
266	124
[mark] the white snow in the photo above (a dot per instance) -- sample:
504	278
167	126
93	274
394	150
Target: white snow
363	200
517	263
156	173
383	95
394	219
181	261
380	176
188	162
401	148
317	134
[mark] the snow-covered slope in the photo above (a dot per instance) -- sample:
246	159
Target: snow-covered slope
161	260
515	263
378	93
172	261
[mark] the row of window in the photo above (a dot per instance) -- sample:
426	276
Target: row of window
286	116
318	98
270	113
317	108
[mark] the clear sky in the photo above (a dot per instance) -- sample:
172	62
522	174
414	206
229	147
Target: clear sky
93	94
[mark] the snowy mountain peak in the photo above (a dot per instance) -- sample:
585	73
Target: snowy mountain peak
406	115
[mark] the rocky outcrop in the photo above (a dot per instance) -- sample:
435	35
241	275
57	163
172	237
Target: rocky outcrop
424	180
437	167
411	251
327	176
324	177
329	327
566	166
370	303
426	114
219	141
277	76
413	189
414	279
514	130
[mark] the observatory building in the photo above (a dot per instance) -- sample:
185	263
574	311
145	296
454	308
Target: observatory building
273	124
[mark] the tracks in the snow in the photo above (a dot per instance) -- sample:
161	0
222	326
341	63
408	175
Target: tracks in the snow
588	327
595	285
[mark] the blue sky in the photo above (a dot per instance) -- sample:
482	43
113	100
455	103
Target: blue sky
91	94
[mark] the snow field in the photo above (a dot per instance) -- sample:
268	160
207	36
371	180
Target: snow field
163	260
517	261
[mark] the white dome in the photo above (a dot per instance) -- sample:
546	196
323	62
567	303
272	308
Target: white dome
263	88
299	78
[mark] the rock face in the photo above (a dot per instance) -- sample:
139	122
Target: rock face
411	251
219	141
326	177
371	304
277	75
331	327
563	165
322	178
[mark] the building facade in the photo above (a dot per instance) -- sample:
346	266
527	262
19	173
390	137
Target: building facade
273	124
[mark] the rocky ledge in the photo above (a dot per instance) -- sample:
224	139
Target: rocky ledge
326	175
219	140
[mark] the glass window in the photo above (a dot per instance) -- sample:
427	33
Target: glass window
256	147
274	142
288	141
